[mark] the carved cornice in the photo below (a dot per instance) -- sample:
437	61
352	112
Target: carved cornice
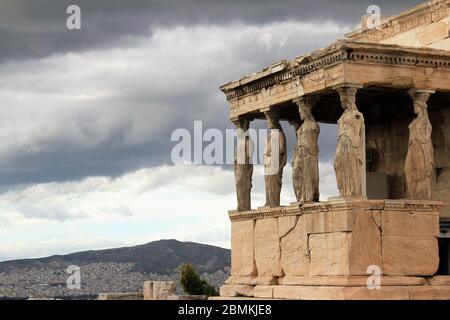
413	205
338	205
326	58
338	53
418	16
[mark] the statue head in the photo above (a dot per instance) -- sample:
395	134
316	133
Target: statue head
420	98
419	106
348	102
273	120
348	98
305	109
242	126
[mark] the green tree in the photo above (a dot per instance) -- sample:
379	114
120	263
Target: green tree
192	283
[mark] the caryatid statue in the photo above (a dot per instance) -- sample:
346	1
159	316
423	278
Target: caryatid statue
305	163
296	124
419	166
275	159
350	152
243	165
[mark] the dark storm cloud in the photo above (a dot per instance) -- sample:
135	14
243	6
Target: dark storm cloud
37	28
178	83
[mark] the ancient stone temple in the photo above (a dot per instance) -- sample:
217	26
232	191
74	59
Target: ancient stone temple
388	90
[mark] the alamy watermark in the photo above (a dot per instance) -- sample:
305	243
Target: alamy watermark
373	17
235	146
73	21
74	280
374	279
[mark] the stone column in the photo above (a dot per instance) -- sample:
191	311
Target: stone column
419	164
275	159
305	163
243	166
350	161
295	177
296	125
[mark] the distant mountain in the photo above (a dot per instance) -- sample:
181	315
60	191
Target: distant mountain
160	257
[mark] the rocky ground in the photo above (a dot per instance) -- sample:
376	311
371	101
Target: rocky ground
96	278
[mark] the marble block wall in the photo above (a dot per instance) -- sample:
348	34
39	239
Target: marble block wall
337	238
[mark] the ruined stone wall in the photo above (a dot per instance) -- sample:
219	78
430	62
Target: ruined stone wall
435	35
334	238
389	142
424	26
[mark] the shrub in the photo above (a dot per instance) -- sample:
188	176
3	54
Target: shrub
192	283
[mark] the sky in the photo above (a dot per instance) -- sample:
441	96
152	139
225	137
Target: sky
87	116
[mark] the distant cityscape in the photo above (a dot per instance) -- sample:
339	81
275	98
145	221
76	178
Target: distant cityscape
51	282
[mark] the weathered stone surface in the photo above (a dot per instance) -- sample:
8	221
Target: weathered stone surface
439	281
305	159
332	221
351	293
267	247
442	190
307	293
286	224
274	160
295	258
347	253
384	293
234	299
430	293
121	296
428	18
263	292
162	289
159	290
228	291
377	218
349	163
365	246
435	32
410	255
290	251
419	165
236	290
243	168
329	253
264	281
242	248
349	281
248	280
341	293
148	290
186	297
404	223
410	70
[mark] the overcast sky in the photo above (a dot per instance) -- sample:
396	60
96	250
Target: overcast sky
86	115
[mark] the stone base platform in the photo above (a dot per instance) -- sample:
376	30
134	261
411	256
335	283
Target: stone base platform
329	250
342	288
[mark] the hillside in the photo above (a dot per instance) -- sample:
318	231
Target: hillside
159	257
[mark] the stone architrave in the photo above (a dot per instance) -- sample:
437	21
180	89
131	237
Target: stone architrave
305	164
243	166
419	165
349	163
275	159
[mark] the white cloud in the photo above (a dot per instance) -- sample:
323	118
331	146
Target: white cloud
78	101
83	102
180	202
